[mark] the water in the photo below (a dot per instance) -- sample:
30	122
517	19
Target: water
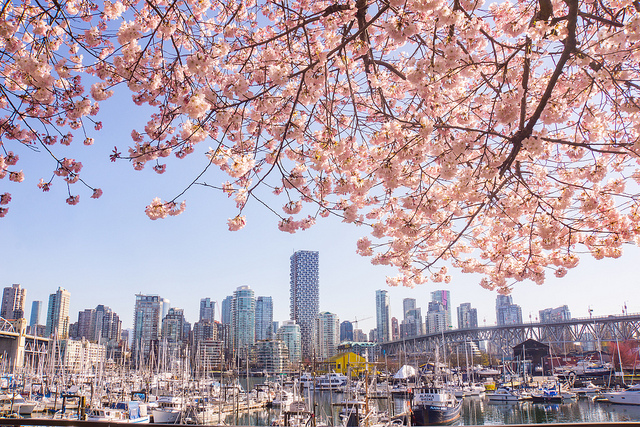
475	411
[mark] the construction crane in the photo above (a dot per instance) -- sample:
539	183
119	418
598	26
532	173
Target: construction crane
356	320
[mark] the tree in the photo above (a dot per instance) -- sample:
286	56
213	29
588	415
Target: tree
499	138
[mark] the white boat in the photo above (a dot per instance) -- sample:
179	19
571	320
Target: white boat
630	396
504	394
331	381
306	379
587	389
168	410
124	412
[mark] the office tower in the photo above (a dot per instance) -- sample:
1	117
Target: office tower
225	315
58	314
147	324
107	325
207	309
507	313
275	325
407	304
444	298
346	331
467	316
395	329
436	318
13	301
243	320
383	326
264	318
305	297
36	307
359	336
204	330
550	315
327	335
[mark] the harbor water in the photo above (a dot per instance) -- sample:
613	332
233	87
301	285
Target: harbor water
475	411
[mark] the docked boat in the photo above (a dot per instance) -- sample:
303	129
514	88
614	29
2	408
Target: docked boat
124	412
433	405
331	381
168	410
504	394
630	396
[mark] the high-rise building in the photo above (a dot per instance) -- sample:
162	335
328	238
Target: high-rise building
243	320
36	308
444	298
559	314
327	335
225	315
407	304
305	295
395	329
107	325
204	330
173	332
13	301
58	314
346	331
147	326
436	318
264	318
289	333
207	309
467	316
412	324
86	325
383	326
507	313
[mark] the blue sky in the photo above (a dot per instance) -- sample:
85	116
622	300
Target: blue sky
105	251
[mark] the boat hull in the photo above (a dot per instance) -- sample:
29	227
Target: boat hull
433	414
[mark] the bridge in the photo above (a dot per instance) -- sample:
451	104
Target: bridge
18	348
595	330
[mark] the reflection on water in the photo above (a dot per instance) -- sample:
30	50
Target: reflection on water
475	411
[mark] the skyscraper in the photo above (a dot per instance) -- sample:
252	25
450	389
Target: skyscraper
436	317
13	300
36	307
264	318
383	325
305	297
507	313
173	332
346	331
444	298
467	316
58	314
147	326
225	315
407	304
243	319
327	334
207	309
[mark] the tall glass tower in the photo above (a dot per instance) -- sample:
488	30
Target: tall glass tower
444	298
305	296
243	320
264	318
58	314
383	326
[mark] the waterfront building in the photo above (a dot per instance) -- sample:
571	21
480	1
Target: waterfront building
305	295
559	314
271	356
36	308
436	318
444	298
147	326
395	329
209	356
383	326
346	331
207	310
81	356
13	300
58	314
243	320
507	313
327	335
467	316
289	333
173	333
264	318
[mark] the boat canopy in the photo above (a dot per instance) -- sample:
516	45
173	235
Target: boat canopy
405	372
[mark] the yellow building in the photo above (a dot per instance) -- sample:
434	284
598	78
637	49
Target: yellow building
347	363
